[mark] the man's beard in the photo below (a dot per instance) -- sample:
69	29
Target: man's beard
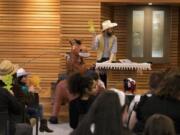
109	34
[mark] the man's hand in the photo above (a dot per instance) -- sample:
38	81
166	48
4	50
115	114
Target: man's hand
112	57
108	61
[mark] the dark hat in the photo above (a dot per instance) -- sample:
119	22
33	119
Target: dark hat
75	42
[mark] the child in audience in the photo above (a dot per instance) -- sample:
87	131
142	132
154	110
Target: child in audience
159	125
104	116
30	100
81	86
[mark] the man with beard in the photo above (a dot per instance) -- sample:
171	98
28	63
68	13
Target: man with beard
106	45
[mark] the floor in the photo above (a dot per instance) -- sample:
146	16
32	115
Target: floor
59	129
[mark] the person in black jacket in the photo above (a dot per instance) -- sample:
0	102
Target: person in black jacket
8	103
165	101
81	86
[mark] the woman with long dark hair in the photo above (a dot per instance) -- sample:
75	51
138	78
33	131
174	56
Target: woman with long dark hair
103	118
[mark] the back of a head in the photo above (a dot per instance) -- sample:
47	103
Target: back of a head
159	125
155	79
103	118
75	42
79	84
92	74
170	86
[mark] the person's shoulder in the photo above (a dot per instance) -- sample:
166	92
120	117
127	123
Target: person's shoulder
137	98
5	92
144	100
2	90
99	36
114	36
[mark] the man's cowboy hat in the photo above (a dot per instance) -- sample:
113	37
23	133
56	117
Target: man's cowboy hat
21	72
7	68
108	24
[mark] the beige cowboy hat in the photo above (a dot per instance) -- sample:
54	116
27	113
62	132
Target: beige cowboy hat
108	24
7	68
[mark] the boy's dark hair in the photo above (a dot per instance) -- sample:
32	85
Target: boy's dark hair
75	42
92	74
79	84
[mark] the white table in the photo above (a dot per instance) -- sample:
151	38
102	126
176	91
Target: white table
123	66
133	68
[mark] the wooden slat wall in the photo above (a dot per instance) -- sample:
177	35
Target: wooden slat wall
107	12
120	16
28	29
75	15
143	1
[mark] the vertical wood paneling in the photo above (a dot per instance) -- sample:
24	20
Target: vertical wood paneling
174	36
29	31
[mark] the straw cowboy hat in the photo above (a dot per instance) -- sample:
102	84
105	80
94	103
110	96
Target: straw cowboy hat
108	24
7	68
21	72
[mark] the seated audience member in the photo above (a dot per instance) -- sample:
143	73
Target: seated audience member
129	85
30	100
81	86
74	63
104	117
154	81
8	103
165	101
159	125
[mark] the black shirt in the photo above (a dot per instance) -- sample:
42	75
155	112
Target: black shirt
157	105
77	109
10	106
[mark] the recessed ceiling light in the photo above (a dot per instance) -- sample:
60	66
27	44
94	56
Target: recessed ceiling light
150	4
